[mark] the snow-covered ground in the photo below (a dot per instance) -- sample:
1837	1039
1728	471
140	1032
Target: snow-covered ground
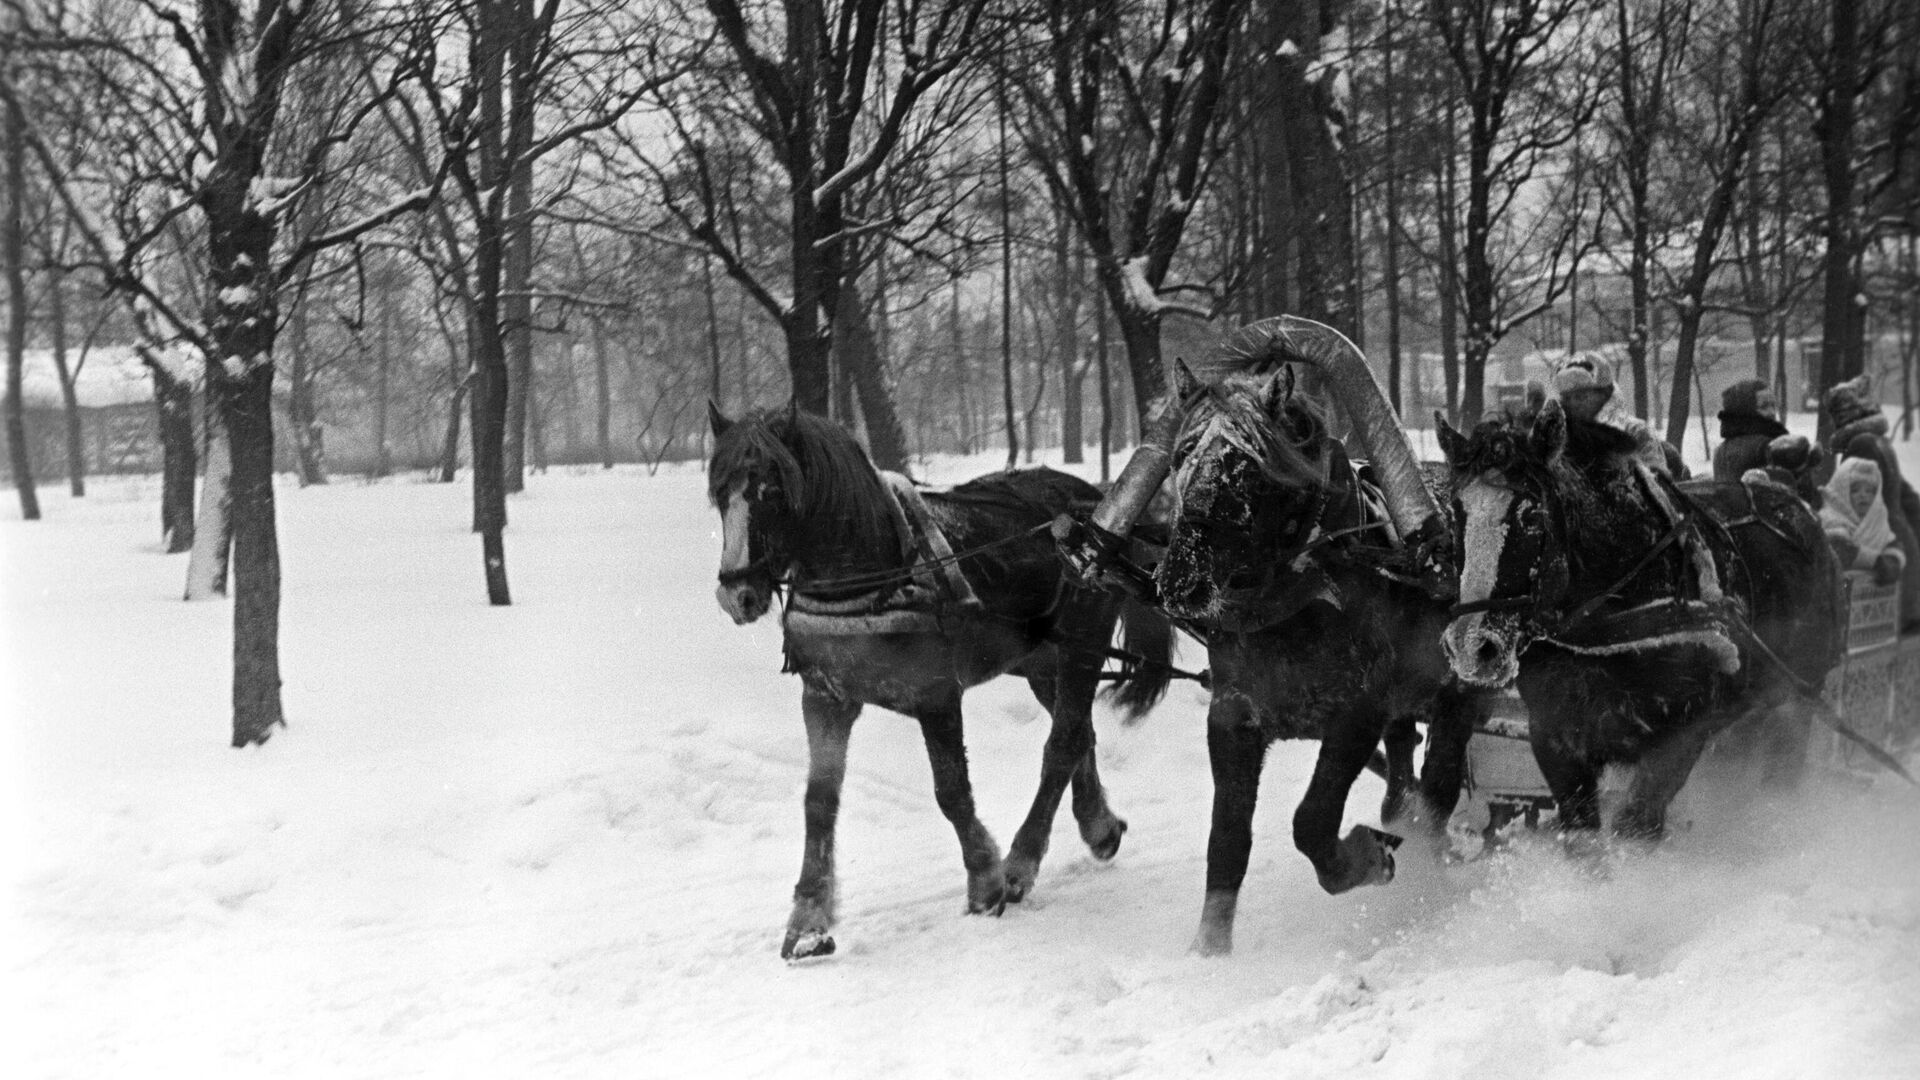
558	840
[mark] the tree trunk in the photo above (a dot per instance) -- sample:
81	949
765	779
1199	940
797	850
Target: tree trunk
602	396
1006	295
246	405
962	369
858	354
213	527
12	255
69	395
488	338
1449	274
1390	90
1068	273
516	302
1840	351
1306	201
383	391
1101	345
303	422
179	459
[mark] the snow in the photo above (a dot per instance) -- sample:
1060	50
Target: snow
558	839
1140	293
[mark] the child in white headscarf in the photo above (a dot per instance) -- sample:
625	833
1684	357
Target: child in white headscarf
1855	519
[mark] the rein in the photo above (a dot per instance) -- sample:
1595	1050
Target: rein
880	579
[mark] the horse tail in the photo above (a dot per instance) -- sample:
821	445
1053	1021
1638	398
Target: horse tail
1148	667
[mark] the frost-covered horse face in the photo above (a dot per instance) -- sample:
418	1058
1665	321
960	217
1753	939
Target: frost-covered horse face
753	487
1249	473
1512	562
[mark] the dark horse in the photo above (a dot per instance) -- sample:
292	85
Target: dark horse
801	507
1305	582
1638	616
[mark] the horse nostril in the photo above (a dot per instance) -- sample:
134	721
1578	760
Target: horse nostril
1488	654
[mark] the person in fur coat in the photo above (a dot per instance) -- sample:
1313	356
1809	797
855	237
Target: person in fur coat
1749	420
1860	430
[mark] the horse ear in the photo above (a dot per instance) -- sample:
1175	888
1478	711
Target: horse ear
1278	388
1185	383
717	419
793	411
1550	430
1453	445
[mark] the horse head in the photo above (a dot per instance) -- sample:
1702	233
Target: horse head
755	481
799	504
1250	472
1511	543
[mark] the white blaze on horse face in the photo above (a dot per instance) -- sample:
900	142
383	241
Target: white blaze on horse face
736	599
1477	654
1486	506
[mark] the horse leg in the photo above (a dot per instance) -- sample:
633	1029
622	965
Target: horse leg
1450	725
1402	737
829	722
1574	781
1236	748
1066	690
1660	774
1365	856
943	733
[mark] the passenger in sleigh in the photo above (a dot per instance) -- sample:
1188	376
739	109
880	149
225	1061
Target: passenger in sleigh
1860	431
1585	387
1749	422
1792	462
1855	519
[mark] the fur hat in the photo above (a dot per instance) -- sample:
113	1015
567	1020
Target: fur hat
1743	397
1792	452
1852	400
1583	372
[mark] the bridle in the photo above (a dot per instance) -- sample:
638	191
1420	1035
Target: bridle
1548	577
1544	602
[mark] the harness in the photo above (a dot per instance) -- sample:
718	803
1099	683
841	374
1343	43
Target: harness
1694	611
911	600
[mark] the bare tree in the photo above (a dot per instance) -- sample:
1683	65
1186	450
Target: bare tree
1739	71
1123	120
835	97
211	144
13	265
1526	92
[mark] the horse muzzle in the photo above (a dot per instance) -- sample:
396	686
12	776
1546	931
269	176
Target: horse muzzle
1483	651
744	601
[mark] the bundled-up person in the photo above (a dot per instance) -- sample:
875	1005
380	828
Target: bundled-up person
1749	420
1856	521
1585	388
1860	430
1792	461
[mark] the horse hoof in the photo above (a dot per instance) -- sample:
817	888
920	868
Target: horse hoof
992	903
1365	858
807	945
1108	846
1017	889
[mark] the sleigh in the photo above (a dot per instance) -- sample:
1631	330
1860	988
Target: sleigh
1876	688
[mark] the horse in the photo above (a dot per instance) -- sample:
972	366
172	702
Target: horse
802	508
1638	617
1308	593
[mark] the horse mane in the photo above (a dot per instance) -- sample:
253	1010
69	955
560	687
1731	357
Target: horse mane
825	474
1235	410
